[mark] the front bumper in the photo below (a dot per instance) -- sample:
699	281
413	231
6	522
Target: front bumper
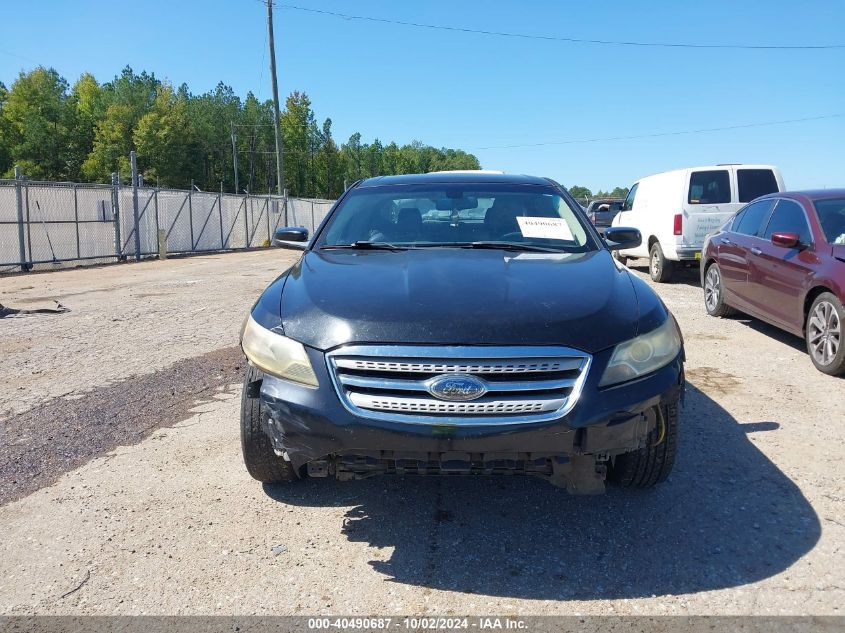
311	424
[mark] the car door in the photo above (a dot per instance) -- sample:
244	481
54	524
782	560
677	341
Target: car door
708	203
733	248
778	276
627	216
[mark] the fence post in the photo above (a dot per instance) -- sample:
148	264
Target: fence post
220	209
133	159
19	203
246	220
155	205
25	187
191	214
313	228
269	237
115	207
76	221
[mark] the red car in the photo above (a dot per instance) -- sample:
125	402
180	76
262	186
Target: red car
781	259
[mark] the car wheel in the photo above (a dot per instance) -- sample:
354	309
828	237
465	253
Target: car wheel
260	459
824	334
650	465
714	293
659	267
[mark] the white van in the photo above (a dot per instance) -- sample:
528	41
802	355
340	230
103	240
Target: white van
675	210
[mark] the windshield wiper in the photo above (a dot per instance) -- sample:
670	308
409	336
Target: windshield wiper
365	245
509	246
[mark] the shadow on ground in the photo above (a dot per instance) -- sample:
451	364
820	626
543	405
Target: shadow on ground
795	342
727	516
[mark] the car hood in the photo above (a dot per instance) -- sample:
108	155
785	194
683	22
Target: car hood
460	297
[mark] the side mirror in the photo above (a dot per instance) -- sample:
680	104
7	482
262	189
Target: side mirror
290	237
786	240
620	237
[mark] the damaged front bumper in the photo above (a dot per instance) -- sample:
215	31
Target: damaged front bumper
312	429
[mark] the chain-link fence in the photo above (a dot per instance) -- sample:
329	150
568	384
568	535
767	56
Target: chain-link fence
50	224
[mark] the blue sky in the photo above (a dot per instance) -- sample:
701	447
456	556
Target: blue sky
475	91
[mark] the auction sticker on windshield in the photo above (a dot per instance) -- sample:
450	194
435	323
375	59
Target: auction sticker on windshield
548	228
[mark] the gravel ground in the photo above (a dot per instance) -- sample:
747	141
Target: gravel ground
39	445
752	520
124	320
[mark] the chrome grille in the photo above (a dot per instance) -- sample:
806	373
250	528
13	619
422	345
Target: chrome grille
521	384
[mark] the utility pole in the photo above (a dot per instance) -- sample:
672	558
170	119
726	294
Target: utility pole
280	165
235	154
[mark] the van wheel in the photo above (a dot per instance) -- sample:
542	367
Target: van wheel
659	267
260	459
714	293
648	466
825	336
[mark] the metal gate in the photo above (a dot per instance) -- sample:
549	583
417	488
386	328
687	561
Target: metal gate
47	224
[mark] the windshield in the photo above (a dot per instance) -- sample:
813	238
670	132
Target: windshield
457	215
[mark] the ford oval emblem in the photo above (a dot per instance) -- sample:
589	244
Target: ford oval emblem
457	387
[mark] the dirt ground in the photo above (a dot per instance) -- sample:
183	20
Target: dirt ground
160	517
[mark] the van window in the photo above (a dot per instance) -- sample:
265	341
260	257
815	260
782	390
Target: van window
789	217
753	183
709	187
750	219
629	200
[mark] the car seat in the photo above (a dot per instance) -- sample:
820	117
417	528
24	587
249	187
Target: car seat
408	224
834	227
500	219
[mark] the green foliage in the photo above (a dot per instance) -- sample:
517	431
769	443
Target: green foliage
165	141
88	102
5	153
86	133
128	98
37	123
580	192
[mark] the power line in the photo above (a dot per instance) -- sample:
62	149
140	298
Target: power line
556	38
659	134
23	57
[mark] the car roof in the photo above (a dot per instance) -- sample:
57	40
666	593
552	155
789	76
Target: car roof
454	177
711	168
808	194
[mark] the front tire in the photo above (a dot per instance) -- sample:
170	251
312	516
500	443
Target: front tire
824	334
714	293
659	267
648	466
261	461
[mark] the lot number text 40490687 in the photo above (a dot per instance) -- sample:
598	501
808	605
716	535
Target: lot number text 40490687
428	623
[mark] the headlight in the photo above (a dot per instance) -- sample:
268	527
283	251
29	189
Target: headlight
276	354
643	354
